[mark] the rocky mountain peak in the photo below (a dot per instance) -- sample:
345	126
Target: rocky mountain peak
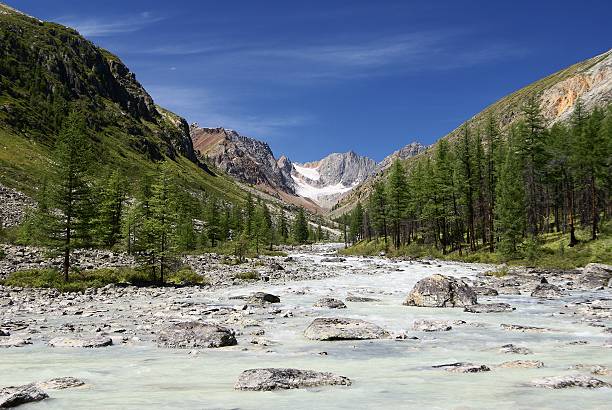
407	151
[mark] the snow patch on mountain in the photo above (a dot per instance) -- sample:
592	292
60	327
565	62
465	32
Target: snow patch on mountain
310	173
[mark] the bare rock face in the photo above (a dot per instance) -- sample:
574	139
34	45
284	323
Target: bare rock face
441	291
14	396
407	151
546	290
563	382
279	379
97	341
344	329
191	335
330	303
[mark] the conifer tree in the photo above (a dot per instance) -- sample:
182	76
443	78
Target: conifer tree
69	188
378	210
397	194
300	227
112	197
356	224
213	222
283	228
249	215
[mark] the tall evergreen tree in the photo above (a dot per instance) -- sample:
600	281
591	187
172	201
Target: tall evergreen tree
300	227
378	210
69	188
112	198
397	194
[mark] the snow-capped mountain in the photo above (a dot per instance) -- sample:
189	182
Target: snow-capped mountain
327	180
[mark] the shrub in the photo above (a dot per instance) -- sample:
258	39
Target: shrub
186	277
248	275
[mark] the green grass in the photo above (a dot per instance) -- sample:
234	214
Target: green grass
79	281
552	251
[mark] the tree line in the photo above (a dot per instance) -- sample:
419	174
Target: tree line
496	190
154	219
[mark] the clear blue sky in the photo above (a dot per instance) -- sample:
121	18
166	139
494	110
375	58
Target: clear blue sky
314	77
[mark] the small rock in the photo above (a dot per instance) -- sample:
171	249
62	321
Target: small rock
521	328
191	335
461	367
510	348
14	396
489	308
522	364
330	303
563	382
60	383
428	325
260	298
344	329
13	341
485	291
97	341
546	290
278	378
353	298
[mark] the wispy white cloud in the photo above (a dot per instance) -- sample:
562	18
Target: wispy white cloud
104	27
217	110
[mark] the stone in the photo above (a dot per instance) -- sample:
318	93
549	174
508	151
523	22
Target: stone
280	378
353	298
441	291
4	333
485	291
546	290
191	335
510	348
344	329
489	308
595	275
14	396
88	342
428	325
563	382
330	303
60	383
260	298
12	341
522	364
337	260
521	328
462	367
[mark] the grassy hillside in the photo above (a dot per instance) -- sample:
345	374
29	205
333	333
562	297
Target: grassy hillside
48	70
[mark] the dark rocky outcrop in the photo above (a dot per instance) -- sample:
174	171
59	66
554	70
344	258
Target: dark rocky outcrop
14	396
441	291
278	379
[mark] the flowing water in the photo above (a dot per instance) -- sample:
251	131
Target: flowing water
392	374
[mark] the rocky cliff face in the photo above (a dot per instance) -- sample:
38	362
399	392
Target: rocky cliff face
327	180
407	151
246	159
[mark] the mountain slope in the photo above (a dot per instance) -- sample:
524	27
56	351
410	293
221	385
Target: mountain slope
48	70
589	80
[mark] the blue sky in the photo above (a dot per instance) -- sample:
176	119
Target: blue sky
315	77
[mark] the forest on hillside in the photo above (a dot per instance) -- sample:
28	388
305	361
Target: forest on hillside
494	191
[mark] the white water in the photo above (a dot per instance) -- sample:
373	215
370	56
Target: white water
386	373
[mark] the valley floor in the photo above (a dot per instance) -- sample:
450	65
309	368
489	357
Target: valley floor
567	333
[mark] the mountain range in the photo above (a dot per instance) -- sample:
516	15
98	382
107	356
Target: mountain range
47	69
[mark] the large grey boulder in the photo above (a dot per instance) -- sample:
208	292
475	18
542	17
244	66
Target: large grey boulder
262	298
575	380
14	396
595	275
330	303
338	328
279	378
97	341
441	291
191	335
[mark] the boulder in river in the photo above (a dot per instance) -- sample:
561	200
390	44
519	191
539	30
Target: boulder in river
489	308
595	275
575	380
546	290
60	383
330	303
522	364
260	298
338	328
190	335
430	325
13	341
96	341
485	291
441	291
522	328
14	396
355	298
279	378
510	348
462	367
